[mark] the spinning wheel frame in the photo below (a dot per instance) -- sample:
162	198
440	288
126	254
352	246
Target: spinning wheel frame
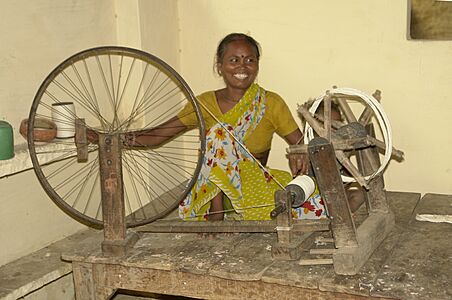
327	130
117	69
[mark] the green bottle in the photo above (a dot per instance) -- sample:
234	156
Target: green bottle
6	141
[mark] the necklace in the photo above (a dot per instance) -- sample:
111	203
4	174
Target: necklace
227	98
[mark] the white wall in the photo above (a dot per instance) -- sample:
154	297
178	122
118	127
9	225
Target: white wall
308	46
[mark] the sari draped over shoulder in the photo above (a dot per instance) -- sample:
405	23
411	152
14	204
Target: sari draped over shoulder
227	167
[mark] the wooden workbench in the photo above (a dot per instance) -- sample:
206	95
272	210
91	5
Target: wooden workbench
414	262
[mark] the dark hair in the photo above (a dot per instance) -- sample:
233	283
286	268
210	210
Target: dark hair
232	37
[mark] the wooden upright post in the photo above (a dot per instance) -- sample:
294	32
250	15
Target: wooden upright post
323	160
354	245
289	245
112	191
368	162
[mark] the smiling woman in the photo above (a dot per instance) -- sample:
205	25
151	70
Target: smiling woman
241	119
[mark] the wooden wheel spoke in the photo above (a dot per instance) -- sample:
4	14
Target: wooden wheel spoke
348	113
327	116
316	125
397	154
347	164
366	115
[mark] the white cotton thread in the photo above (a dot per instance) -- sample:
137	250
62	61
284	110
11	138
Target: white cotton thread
306	183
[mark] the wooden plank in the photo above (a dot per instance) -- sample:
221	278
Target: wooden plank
162	251
247	260
434	205
323	160
315	261
348	260
322	251
403	205
100	277
83	281
290	273
292	250
420	266
338	144
364	281
179	226
211	287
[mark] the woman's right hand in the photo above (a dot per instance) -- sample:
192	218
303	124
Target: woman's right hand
299	164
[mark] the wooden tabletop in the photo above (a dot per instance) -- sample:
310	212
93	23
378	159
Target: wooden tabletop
414	262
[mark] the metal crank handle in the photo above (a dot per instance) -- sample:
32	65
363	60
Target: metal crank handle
280	208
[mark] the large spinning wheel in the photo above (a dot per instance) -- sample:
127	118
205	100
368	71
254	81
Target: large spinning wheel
115	91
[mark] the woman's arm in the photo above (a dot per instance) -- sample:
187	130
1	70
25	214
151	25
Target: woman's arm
147	137
299	163
157	135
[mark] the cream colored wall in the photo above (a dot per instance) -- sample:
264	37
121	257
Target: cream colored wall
160	30
35	37
308	46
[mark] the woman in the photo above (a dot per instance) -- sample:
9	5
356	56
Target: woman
245	117
255	115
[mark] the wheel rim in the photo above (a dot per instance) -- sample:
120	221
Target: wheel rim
116	90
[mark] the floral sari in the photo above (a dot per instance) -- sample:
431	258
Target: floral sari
228	168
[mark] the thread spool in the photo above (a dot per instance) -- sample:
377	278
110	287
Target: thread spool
6	141
300	189
63	115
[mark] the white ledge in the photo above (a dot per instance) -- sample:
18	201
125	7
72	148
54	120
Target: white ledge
22	161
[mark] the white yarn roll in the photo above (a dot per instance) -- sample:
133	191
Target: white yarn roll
306	183
380	115
63	115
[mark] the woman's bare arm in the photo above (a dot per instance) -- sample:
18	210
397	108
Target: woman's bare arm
298	163
147	137
157	135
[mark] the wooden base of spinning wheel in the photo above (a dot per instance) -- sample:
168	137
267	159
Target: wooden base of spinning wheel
120	247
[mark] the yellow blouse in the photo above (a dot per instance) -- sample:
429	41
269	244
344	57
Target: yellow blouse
277	118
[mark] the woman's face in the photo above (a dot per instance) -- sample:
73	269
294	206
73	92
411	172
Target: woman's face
240	65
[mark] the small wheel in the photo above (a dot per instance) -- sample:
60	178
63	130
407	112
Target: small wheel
350	103
115	90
